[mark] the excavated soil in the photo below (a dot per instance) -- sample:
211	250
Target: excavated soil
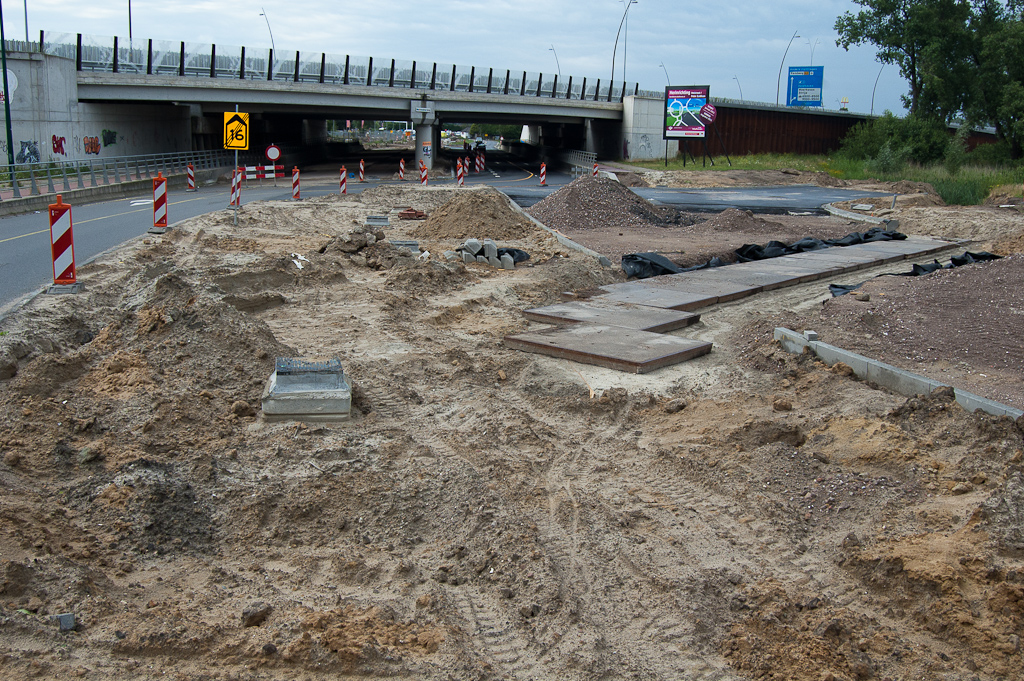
486	513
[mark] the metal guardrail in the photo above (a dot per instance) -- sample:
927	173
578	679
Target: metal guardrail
581	162
224	61
30	179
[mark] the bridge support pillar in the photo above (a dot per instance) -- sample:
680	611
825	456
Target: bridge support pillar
426	145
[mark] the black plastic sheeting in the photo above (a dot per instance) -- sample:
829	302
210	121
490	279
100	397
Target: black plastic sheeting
517	254
774	249
967	258
645	265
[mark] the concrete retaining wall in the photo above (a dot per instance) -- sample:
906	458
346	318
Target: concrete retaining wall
885	375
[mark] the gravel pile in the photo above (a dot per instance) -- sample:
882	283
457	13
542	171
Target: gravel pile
592	202
482	213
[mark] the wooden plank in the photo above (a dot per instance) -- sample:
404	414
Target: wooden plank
613	347
640	317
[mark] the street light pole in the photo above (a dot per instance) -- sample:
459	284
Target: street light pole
874	88
7	98
778	81
736	78
557	65
667	79
615	49
263	13
816	41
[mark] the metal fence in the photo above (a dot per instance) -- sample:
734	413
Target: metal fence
33	179
156	57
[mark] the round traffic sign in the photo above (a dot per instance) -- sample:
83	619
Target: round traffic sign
273	152
708	112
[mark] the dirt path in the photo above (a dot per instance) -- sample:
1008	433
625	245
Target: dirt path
486	514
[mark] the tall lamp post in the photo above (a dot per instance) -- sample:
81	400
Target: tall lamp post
736	78
668	80
874	88
615	49
263	13
816	41
779	79
557	65
7	96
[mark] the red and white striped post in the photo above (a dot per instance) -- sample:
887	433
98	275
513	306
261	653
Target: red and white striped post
483	161
401	169
295	183
159	204
62	243
191	173
543	174
459	176
423	174
594	173
362	171
344	180
236	187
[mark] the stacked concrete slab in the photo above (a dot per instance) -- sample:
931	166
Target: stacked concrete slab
618	328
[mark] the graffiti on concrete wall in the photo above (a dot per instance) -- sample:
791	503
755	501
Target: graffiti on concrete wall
110	137
58	145
29	153
644	149
91	145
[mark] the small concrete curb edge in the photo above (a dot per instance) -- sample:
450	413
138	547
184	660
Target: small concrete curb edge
886	375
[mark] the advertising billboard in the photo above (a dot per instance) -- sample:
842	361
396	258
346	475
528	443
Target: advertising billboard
804	87
683	106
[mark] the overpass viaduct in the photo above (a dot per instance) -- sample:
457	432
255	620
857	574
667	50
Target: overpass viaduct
72	96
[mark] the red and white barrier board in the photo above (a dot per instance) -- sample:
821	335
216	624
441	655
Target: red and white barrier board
543	174
401	169
362	171
344	180
62	244
191	173
160	203
595	170
459	172
262	172
423	174
295	183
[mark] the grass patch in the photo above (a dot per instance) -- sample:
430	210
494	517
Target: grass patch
969	185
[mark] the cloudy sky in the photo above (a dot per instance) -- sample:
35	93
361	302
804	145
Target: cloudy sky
731	45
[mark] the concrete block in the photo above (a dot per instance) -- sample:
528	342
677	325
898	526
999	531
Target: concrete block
468	257
791	341
972	402
481	259
811	335
66	621
307	391
493	261
830	354
490	249
507	262
413	246
472	246
450	256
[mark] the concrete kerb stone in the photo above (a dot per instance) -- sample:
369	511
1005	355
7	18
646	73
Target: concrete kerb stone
562	239
850	215
885	375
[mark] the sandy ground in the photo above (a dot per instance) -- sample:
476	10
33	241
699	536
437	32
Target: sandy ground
486	513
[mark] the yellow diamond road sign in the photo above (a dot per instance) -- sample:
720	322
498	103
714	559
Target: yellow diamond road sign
236	130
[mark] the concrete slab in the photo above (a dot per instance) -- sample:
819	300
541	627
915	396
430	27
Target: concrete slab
638	294
721	289
300	390
743	276
613	347
641	317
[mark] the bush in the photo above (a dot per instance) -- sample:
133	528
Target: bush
889	161
956	151
924	139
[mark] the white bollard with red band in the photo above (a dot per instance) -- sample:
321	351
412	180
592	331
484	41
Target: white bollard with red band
62	243
159	204
483	161
459	173
543	174
595	171
362	171
236	187
295	183
401	169
344	180
191	172
423	174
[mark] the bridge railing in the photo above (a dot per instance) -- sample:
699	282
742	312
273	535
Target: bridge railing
156	57
50	177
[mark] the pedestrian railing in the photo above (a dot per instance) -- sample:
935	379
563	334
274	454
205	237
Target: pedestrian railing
156	57
36	178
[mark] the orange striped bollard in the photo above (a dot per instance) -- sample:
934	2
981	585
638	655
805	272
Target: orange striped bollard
459	176
295	183
191	173
344	180
362	171
62	243
594	173
159	204
543	174
401	169
423	174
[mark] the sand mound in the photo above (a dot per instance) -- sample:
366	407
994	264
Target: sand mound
477	214
591	202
